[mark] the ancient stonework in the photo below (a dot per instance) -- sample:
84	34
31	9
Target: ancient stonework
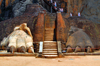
60	28
37	21
39	28
77	37
90	28
18	41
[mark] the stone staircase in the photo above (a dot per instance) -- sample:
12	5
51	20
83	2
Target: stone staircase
49	27
49	45
50	49
50	20
49	34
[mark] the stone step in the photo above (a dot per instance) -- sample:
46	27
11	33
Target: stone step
49	31
49	34
48	42
49	28
49	49
46	32
49	45
50	56
49	53
48	39
51	22
51	37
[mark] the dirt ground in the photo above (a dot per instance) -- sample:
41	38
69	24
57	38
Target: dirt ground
66	61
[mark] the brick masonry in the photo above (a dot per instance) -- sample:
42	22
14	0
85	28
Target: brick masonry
39	28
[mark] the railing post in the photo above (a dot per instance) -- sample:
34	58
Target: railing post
59	49
40	49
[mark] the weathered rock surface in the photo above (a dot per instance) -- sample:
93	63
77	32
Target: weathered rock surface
90	28
79	38
20	7
92	10
29	17
12	8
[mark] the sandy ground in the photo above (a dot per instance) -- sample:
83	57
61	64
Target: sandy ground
66	61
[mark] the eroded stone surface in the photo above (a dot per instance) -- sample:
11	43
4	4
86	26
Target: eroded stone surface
92	10
78	39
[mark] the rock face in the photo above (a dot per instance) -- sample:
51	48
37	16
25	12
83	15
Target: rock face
20	7
12	8
92	10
